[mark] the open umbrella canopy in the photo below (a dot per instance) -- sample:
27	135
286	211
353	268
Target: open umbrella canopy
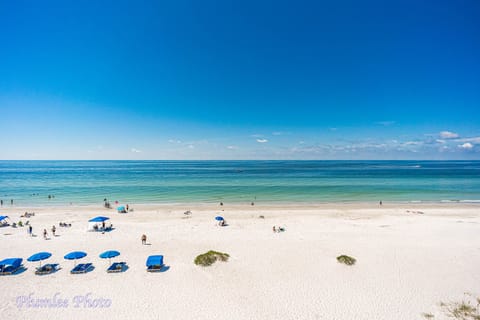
40	256
109	254
3	217
121	208
98	219
75	255
218	218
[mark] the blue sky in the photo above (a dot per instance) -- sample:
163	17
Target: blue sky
250	80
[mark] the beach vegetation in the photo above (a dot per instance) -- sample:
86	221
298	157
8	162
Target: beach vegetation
210	257
463	310
346	260
467	309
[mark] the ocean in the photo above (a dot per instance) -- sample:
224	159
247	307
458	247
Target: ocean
29	183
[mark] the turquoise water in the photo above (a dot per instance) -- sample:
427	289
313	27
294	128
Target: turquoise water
87	182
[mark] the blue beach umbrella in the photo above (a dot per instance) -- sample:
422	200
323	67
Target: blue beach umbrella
75	255
122	208
109	254
98	219
218	218
40	256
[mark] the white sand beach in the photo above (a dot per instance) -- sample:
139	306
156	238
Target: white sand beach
407	262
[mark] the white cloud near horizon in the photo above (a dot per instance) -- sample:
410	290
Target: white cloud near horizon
474	140
466	146
135	150
262	140
448	135
385	123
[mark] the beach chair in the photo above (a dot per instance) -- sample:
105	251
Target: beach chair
10	266
47	269
81	268
155	263
117	267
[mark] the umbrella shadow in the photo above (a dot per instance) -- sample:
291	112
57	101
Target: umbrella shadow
55	270
90	269
164	268
20	270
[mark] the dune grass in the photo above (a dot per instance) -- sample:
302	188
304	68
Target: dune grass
210	257
467	309
349	261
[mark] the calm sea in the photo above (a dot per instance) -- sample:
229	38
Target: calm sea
87	182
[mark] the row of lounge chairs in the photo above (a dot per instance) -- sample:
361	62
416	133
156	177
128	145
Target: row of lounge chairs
13	266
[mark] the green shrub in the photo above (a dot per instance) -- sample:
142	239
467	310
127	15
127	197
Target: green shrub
346	260
209	258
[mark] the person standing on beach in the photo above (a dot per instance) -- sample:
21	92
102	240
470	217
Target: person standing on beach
45	234
53	230
30	231
1	202
11	202
127	207
144	239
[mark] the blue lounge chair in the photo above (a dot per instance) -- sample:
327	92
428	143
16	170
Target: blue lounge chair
154	263
81	268
47	269
10	266
117	267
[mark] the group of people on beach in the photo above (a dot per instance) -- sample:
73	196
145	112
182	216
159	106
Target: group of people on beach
278	229
1	202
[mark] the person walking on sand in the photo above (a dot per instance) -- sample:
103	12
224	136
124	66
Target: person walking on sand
144	239
30	231
53	230
45	234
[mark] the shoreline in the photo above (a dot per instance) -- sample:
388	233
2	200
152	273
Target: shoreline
258	205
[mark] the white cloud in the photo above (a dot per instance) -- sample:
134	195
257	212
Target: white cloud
232	147
385	123
466	146
174	141
448	135
440	141
135	150
262	140
474	140
280	133
412	143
